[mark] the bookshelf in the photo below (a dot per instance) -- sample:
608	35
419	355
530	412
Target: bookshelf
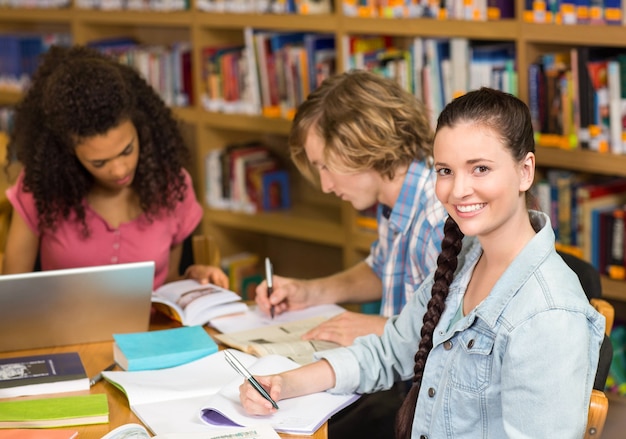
318	235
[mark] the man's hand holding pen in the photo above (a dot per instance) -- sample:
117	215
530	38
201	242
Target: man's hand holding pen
287	295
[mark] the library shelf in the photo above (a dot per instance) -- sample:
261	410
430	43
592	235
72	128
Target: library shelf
582	160
573	35
9	97
317	224
327	225
259	124
493	30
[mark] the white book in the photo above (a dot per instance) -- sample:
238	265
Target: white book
192	303
203	396
615	107
459	57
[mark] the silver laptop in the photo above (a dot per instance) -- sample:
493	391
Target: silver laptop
71	306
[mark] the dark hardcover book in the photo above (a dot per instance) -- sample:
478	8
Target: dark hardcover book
41	374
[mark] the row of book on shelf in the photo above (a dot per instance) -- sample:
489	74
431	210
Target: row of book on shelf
449	9
166	68
567	12
577	98
271	73
587	215
134	5
30	4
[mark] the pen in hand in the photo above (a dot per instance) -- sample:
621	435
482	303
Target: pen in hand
98	377
236	364
270	282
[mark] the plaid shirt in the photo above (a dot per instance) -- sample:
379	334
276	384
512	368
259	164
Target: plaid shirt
409	238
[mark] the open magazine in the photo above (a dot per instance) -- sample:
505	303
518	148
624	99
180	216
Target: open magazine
192	303
282	339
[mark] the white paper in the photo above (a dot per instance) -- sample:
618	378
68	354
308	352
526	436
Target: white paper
254	318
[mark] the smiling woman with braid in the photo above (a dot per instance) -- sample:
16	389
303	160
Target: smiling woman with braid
500	341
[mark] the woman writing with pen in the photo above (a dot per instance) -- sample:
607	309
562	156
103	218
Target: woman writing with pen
501	305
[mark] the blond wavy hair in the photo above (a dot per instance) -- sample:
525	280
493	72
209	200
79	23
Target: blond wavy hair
367	122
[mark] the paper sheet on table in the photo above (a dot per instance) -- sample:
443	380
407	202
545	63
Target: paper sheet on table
253	318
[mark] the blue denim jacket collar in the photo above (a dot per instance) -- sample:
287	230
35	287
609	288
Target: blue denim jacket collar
509	284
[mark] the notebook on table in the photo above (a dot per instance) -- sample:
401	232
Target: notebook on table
73	306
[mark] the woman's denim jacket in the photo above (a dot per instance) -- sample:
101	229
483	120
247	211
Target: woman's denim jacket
520	365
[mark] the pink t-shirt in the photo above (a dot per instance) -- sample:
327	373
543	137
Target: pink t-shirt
134	241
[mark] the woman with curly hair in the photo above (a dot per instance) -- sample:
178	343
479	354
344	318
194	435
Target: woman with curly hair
500	340
103	179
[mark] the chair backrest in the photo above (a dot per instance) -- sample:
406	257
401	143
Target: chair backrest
199	249
599	403
5	220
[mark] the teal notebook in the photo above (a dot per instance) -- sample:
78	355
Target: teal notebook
161	349
55	412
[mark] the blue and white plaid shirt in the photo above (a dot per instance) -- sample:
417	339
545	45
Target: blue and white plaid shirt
409	238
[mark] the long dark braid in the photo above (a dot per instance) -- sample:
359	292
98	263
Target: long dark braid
446	266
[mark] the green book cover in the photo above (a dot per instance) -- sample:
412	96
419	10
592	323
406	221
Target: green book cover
55	412
161	349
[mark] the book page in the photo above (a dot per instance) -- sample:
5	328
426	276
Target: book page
202	377
198	303
253	318
136	431
285	339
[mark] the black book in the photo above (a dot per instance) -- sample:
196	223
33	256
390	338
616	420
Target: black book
41	374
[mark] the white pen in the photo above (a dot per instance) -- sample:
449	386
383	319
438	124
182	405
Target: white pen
236	364
269	278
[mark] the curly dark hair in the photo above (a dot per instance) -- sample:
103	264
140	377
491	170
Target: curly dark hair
78	93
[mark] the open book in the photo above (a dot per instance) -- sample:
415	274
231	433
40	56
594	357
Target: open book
136	431
192	303
202	396
282	339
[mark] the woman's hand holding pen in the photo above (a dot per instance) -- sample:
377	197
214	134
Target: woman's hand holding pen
318	376
253	402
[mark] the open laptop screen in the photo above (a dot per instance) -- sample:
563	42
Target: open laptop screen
72	306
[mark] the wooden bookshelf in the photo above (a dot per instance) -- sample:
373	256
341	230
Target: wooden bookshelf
319	227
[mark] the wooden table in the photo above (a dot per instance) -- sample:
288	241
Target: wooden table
97	356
